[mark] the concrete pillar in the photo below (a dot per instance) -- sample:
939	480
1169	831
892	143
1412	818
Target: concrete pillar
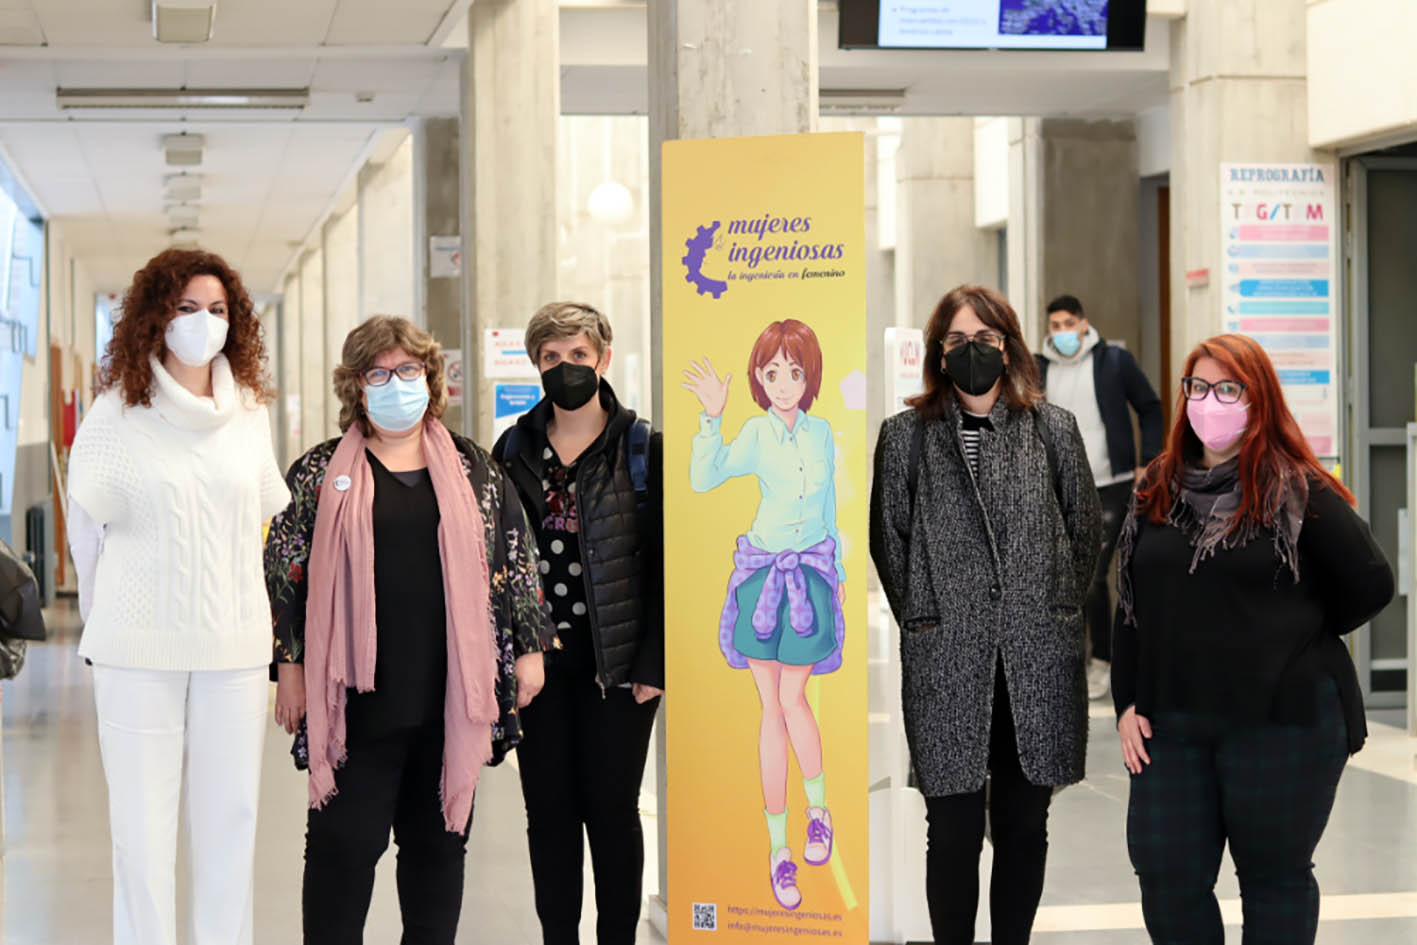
511	101
1073	223
1238	93
437	212
314	380
720	69
340	240
938	245
717	70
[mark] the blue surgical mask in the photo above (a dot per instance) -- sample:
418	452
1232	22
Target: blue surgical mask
1067	343
399	405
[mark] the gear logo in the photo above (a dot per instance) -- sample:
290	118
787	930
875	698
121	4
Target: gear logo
693	261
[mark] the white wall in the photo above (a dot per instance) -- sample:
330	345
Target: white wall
1362	76
1154	141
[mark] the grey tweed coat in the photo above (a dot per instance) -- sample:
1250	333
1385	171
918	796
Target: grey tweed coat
988	568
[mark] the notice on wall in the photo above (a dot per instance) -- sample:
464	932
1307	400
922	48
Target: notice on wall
504	354
1279	243
444	257
509	402
905	366
453	375
764	310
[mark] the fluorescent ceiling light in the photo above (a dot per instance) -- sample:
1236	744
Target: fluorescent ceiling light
183	98
186	236
183	21
182	187
183	150
182	216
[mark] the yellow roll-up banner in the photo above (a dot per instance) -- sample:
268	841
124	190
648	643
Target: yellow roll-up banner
766	558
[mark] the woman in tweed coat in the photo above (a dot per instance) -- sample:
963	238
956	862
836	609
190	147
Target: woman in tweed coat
986	568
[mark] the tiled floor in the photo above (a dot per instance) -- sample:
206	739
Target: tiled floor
56	888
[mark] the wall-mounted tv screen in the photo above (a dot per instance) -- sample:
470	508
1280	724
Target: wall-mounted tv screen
992	24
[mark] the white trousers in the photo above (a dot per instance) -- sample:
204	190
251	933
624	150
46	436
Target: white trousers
148	721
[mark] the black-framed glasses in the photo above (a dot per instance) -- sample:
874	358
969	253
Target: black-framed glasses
956	338
408	371
1226	392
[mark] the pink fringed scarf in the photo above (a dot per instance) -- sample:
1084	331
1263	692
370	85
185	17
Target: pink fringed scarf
340	637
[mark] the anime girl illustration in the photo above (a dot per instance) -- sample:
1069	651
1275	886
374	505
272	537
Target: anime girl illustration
782	618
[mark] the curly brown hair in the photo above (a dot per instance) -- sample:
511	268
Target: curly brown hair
151	302
362	347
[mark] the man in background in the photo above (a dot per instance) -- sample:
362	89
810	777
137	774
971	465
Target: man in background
1098	382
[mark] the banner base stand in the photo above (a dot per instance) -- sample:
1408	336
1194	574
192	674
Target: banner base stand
659	916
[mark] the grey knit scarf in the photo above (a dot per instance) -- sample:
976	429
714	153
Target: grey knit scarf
1204	510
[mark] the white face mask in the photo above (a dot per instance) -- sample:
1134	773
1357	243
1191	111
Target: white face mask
194	338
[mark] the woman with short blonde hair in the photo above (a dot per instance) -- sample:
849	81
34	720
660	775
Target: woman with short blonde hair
404	588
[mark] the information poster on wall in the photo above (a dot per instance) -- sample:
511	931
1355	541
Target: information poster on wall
1279	241
764	311
504	354
905	366
509	402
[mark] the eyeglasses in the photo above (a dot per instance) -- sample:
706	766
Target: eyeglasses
408	371
956	338
1226	392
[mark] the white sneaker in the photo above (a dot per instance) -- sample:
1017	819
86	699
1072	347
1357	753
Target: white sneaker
782	872
1099	679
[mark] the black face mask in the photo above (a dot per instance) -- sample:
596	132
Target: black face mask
974	367
570	386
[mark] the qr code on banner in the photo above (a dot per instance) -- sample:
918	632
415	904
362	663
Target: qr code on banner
705	917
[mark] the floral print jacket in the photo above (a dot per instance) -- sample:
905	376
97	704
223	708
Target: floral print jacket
521	619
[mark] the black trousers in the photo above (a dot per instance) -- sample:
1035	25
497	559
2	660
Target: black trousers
582	758
1115	499
392	781
1018	813
1268	790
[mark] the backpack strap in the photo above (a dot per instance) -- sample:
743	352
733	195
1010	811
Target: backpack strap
511	445
637	447
1051	450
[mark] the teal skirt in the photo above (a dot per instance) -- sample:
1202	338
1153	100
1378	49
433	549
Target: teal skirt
785	645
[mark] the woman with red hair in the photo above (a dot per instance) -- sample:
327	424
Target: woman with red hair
171	475
1242	565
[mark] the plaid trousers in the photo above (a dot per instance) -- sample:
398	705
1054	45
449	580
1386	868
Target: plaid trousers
1266	789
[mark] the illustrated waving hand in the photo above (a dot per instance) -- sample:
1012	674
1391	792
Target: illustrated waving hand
703	382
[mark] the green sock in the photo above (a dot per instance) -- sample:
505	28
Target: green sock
777	830
816	790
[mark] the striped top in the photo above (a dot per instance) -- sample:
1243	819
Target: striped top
970	426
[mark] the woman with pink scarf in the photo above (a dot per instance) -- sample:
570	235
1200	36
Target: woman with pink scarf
409	624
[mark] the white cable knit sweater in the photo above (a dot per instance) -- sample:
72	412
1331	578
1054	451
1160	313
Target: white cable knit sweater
180	489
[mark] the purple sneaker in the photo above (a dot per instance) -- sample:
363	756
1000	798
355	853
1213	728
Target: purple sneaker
783	873
819	836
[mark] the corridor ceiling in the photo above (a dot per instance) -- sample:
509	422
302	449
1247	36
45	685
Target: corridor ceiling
270	177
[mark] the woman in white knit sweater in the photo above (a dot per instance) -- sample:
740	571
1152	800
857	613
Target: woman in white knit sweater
170	478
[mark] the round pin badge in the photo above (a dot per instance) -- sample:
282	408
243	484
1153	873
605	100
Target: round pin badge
342	483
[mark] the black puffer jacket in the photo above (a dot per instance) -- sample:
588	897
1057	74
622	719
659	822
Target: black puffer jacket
621	545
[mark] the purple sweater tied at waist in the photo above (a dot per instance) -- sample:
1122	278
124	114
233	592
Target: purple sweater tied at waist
787	572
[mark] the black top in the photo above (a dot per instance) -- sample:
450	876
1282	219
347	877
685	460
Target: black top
1240	639
562	564
410	674
621	533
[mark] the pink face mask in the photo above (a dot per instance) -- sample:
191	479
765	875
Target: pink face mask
1218	425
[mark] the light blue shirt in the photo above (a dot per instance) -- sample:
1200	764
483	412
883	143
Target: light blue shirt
796	472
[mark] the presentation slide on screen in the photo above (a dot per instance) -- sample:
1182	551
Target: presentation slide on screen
995	24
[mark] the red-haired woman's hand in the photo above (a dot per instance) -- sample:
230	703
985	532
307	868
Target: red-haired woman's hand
703	382
1134	730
